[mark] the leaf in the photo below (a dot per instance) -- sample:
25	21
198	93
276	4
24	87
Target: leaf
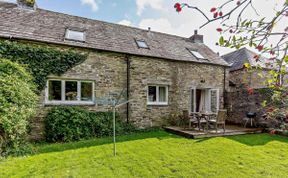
260	75
251	43
234	39
247	66
221	41
264	103
286	57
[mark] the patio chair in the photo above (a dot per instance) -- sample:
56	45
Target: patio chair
220	120
193	120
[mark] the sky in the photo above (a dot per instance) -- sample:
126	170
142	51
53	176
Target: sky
160	15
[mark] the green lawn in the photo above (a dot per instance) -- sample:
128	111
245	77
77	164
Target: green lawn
156	154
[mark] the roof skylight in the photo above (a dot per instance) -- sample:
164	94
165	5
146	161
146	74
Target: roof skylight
142	44
197	54
75	35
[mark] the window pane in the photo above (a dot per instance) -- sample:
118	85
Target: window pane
214	100
152	94
162	94
54	90
70	91
86	91
142	44
197	54
75	35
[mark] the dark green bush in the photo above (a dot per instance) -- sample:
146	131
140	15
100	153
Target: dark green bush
66	124
17	105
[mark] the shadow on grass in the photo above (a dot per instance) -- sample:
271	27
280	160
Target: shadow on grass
258	139
252	139
59	147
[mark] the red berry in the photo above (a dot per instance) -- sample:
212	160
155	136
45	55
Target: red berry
177	5
260	47
220	13
215	14
178	9
213	9
219	29
272	53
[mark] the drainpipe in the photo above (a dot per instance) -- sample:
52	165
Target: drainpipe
224	88
128	86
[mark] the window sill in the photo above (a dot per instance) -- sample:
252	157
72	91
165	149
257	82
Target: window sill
157	104
69	103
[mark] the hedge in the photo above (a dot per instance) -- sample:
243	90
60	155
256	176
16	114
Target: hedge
69	123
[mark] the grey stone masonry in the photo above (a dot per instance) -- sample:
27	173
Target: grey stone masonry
108	70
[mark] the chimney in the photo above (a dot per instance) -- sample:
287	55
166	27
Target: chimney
196	38
27	4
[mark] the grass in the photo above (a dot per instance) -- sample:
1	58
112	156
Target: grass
156	154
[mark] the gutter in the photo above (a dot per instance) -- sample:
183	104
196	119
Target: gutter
224	88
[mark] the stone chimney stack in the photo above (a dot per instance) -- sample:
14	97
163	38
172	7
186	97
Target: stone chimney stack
27	4
196	38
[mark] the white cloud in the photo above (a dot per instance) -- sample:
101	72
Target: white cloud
8	1
125	22
160	25
92	3
154	4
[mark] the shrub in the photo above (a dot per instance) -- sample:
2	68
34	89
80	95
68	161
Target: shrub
17	105
64	124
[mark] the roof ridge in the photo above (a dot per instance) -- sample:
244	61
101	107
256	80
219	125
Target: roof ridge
105	22
111	23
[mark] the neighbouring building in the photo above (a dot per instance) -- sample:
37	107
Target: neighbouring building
160	73
238	100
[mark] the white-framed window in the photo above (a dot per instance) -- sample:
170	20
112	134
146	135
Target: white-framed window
157	95
69	92
75	35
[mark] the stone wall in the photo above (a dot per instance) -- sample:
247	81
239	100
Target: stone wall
243	78
239	102
109	72
180	77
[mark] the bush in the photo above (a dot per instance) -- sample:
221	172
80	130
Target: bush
17	105
66	124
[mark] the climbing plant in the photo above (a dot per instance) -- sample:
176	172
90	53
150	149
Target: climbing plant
40	60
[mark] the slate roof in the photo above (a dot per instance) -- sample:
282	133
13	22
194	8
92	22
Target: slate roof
47	26
238	58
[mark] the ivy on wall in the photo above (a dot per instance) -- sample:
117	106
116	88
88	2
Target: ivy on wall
40	60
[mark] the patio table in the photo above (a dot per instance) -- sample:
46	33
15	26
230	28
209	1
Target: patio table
205	117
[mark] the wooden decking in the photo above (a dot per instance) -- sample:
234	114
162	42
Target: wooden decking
195	133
